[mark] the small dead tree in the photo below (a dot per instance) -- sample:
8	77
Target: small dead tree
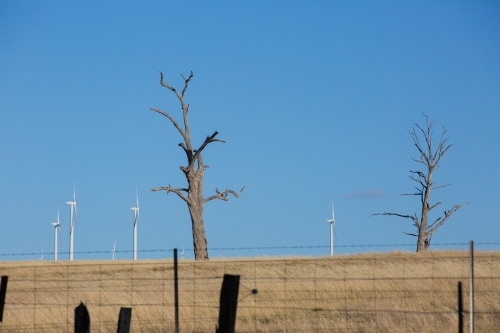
430	158
193	172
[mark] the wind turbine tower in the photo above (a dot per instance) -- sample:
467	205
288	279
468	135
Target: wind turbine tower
72	220
332	230
56	225
136	221
114	250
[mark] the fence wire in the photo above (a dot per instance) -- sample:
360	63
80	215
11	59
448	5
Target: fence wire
384	292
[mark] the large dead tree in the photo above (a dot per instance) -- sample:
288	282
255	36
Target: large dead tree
193	171
430	158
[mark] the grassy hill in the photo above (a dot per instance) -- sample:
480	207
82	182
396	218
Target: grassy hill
376	292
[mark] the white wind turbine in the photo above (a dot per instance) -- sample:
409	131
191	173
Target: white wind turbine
136	221
332	230
114	250
72	221
57	226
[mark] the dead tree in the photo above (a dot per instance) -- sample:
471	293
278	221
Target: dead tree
193	171
430	158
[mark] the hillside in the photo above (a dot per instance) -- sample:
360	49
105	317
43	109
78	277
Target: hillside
376	292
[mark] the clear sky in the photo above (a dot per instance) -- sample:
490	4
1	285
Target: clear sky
314	100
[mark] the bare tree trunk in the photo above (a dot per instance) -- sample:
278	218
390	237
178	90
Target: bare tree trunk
194	174
430	158
195	206
422	241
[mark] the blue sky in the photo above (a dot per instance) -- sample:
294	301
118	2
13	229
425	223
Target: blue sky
313	99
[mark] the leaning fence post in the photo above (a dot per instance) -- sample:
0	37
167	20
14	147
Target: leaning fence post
124	320
228	303
460	309
176	293
82	319
3	292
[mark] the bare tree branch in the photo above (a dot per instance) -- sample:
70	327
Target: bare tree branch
435	188
174	190
419	161
414	218
168	86
189	153
418	181
171	119
447	214
186	83
433	223
209	139
223	195
434	206
404	232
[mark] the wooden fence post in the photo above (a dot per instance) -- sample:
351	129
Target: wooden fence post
3	292
460	309
228	303
82	319
124	320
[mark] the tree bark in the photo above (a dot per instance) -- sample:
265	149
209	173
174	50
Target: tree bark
195	207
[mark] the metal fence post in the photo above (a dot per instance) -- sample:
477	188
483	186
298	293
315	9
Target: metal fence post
176	292
471	287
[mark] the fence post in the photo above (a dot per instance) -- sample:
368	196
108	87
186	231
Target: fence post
3	292
82	319
228	303
124	320
471	287
176	292
460	309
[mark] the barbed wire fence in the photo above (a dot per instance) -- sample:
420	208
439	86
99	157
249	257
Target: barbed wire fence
308	250
370	292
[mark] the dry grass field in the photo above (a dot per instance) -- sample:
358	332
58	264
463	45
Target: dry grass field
377	292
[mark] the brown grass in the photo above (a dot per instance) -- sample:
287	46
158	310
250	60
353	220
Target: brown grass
390	292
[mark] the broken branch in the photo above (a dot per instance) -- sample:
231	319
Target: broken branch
223	195
174	190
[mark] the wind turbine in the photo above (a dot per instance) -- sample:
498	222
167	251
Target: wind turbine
332	230
136	221
72	220
114	250
57	226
